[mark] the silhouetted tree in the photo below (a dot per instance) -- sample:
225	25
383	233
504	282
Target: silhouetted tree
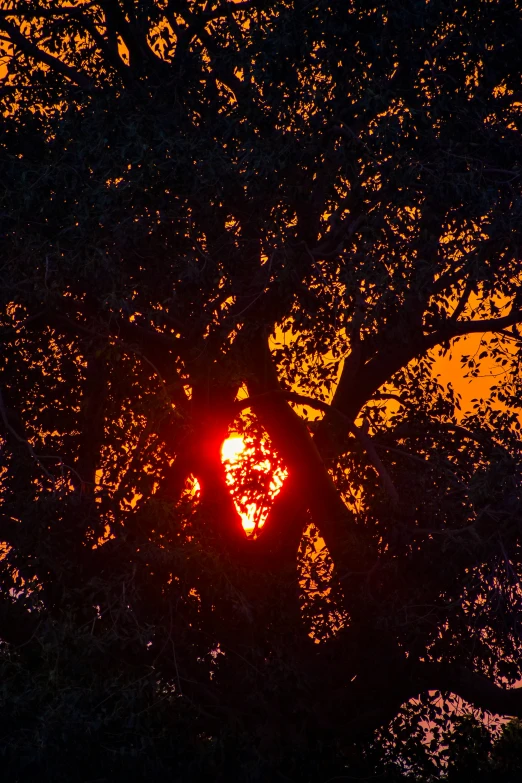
262	217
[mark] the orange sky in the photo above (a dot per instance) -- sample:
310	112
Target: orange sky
450	370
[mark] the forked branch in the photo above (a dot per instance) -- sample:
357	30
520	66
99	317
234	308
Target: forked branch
348	545
363	438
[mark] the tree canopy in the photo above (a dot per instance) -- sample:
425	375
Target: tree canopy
261	218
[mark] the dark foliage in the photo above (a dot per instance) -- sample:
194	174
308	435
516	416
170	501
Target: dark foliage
265	218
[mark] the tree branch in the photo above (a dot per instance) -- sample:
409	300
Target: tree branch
474	688
452	328
32	50
461	304
359	384
278	540
134	37
480	437
293	441
108	48
361	436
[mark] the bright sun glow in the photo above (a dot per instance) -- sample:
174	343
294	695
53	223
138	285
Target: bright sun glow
233	452
232	448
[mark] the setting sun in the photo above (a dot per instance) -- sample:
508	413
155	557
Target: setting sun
232	448
252	497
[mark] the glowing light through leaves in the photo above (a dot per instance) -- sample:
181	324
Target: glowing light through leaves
253	478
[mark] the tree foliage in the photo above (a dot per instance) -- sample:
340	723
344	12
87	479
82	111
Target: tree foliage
264	218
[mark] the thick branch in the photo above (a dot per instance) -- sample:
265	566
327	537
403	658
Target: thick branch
276	546
108	46
211	415
293	441
453	328
159	351
361	436
77	13
117	23
463	300
479	691
30	49
483	437
358	384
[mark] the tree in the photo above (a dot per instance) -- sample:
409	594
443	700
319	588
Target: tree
473	750
265	218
